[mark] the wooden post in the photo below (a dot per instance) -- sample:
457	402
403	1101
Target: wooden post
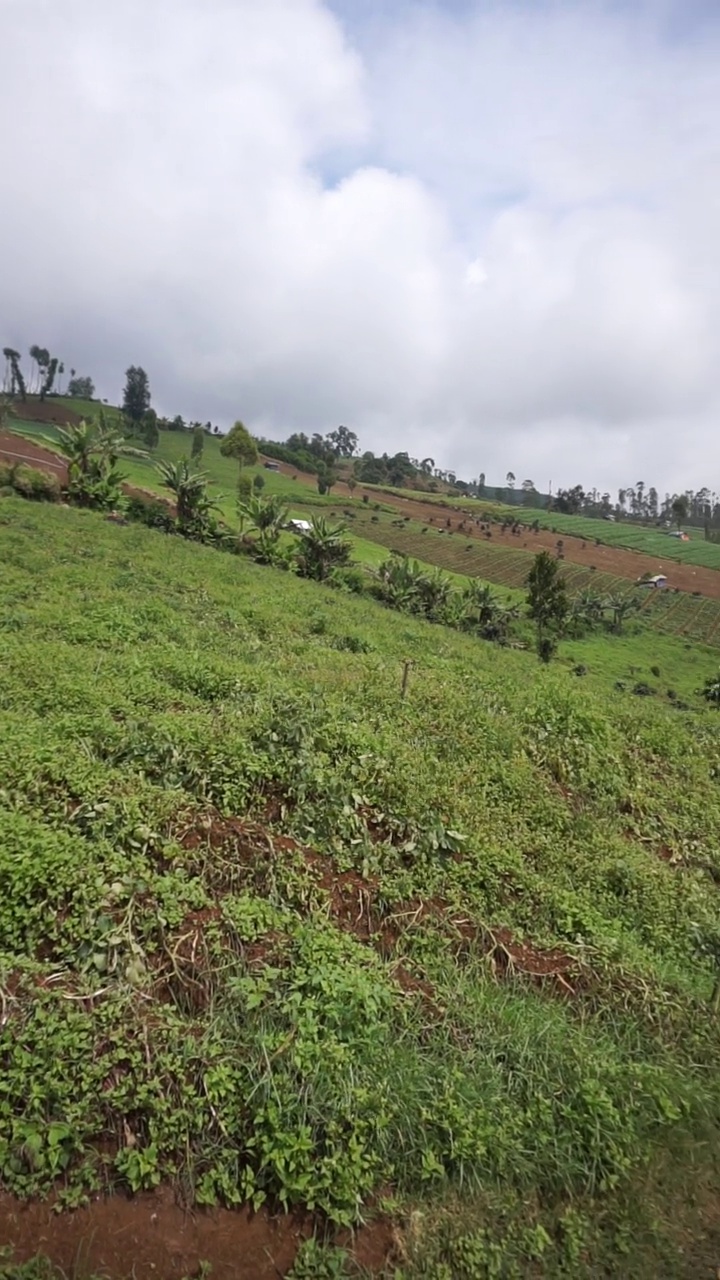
407	663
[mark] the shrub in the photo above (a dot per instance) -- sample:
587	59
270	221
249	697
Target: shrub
655	671
351	578
643	690
151	512
34	484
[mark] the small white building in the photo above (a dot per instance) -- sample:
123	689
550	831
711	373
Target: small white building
658	580
299	526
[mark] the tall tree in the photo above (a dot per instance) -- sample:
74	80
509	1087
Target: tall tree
239	444
198	443
343	442
547	602
136	396
679	509
49	378
16	379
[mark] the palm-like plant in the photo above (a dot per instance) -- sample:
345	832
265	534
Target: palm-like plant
322	548
92	449
192	499
621	607
266	518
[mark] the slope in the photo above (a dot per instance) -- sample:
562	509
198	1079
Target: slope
270	932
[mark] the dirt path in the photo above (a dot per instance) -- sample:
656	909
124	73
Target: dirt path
150	1235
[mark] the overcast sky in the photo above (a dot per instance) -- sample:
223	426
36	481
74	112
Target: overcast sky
483	231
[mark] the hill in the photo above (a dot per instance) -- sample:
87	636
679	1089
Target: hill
272	932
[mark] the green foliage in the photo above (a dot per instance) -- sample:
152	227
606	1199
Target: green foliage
309	941
81	388
198	443
321	549
136	396
547	602
239	444
192	499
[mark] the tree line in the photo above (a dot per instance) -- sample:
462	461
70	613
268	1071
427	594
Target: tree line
338	451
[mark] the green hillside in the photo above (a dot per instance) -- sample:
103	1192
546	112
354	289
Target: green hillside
272	932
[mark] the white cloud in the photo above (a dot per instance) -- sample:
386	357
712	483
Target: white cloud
514	264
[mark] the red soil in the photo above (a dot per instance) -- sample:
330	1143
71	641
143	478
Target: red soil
614	560
151	1235
19	449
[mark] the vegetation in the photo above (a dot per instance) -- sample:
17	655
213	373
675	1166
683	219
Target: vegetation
239	444
136	396
273	932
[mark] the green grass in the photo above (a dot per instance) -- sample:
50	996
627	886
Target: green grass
260	908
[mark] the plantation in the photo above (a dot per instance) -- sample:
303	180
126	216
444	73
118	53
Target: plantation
272	933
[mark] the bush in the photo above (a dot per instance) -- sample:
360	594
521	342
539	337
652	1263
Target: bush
351	578
655	671
152	512
36	485
643	690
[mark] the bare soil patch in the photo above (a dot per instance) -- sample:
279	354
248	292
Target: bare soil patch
151	1235
44	411
583	551
20	449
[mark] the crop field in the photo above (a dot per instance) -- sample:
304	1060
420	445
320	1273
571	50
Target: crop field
679	613
641	538
435	967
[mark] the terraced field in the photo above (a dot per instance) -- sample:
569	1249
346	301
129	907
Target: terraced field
674	612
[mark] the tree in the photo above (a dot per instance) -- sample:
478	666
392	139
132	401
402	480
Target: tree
343	442
136	396
193	502
16	379
547	602
621	606
529	493
60	372
81	388
239	444
150	430
49	378
510	480
326	478
198	443
679	509
243	487
322	548
258	483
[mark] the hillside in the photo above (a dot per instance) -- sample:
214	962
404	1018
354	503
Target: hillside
271	932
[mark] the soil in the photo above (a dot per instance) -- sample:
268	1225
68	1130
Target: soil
20	449
630	565
151	1235
44	411
583	551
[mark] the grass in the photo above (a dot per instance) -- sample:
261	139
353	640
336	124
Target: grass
306	940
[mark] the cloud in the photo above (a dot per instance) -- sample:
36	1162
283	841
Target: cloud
487	234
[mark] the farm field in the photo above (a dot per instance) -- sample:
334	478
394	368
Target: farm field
622	534
694	617
272	934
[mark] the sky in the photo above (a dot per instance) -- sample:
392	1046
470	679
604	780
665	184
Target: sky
485	231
